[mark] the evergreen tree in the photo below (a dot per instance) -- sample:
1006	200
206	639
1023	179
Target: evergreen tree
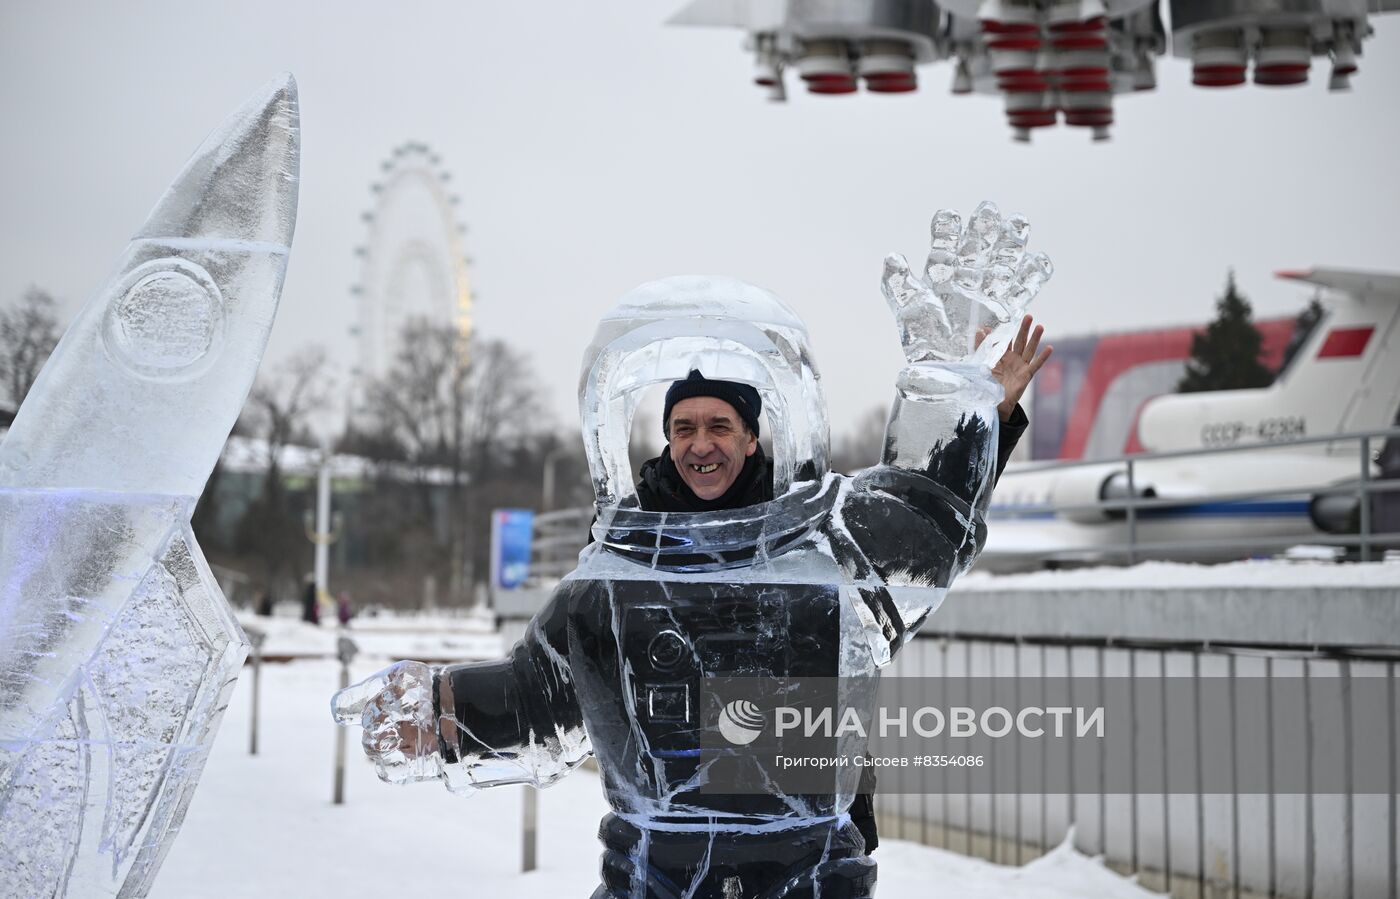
1226	355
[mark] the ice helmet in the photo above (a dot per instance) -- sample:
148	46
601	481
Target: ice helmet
732	331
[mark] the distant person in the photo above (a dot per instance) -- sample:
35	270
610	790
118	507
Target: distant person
264	606
310	608
1385	507
342	609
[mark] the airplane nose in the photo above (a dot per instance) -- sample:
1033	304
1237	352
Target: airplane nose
241	184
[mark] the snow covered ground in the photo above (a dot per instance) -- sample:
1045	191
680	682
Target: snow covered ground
415	636
263	826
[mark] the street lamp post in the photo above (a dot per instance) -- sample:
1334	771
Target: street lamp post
530	838
547	493
326	528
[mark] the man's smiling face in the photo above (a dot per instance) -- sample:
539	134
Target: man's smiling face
709	444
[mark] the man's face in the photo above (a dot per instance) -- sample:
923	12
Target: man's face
709	443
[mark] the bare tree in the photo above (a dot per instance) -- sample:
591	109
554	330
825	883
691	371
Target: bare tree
282	403
503	412
28	334
453	411
418	405
502	402
278	413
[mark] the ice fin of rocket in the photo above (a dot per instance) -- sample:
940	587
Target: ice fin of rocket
144	387
241	184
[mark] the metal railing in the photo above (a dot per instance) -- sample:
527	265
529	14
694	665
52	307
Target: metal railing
1132	506
1191	843
559	535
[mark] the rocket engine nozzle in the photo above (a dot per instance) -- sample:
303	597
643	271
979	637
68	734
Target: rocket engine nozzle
825	65
887	66
1219	58
1285	55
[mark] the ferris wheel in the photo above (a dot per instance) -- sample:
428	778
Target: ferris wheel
412	264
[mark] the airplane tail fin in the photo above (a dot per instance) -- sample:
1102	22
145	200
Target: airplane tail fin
1344	378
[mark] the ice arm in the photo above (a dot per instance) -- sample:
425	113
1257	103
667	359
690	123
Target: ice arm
913	531
916	518
944	426
921	509
910	525
915	522
912	537
514	720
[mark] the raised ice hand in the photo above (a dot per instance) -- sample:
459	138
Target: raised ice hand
978	280
395	708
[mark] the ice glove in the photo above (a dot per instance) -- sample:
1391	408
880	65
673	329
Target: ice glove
978	279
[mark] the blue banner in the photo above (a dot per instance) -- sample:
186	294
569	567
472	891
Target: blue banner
513	530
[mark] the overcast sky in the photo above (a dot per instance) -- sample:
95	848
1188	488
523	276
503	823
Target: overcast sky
594	148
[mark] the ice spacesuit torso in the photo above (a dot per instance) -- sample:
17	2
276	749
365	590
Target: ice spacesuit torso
825	581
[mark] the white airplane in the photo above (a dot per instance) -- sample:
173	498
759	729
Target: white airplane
1345	378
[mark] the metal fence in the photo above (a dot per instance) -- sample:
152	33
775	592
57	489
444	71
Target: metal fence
1189	843
559	536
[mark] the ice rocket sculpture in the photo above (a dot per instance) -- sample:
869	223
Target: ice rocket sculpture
117	649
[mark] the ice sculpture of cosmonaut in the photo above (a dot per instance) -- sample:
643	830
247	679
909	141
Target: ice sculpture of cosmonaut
117	650
829	579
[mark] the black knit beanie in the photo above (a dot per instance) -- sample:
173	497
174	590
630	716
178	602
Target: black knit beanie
745	399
